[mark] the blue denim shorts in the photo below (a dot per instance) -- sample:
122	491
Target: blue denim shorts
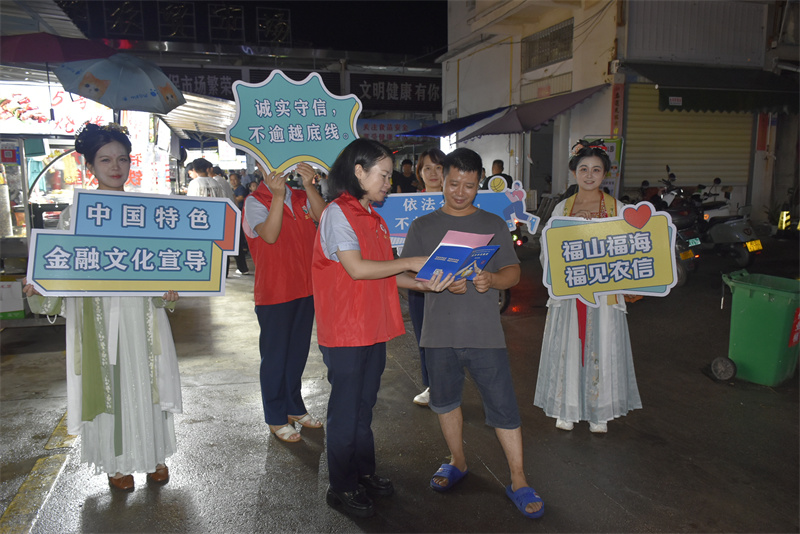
490	370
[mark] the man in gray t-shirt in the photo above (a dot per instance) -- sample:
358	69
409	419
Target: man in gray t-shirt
462	330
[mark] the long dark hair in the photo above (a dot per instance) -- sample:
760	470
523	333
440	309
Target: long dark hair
364	152
92	138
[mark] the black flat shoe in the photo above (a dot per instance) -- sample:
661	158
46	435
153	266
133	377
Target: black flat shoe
355	503
377	485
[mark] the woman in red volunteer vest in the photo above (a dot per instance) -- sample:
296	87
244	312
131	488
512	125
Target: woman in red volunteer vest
280	230
358	310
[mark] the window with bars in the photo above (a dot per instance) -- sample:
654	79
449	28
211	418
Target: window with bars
176	21
123	20
547	46
274	27
226	23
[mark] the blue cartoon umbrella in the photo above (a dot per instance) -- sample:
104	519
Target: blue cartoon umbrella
121	82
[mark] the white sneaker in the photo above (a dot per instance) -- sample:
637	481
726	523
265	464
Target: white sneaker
598	428
563	425
241	273
423	398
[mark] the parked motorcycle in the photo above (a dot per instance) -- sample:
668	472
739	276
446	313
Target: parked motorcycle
725	234
722	231
685	221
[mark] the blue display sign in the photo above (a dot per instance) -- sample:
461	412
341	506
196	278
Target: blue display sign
136	244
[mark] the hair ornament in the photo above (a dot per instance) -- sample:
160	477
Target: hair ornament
89	129
583	144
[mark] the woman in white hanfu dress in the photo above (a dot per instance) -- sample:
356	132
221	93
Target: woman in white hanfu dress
586	367
123	385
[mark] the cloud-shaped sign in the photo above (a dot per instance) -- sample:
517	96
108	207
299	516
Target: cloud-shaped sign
628	254
282	122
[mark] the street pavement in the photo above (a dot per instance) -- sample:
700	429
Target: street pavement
701	456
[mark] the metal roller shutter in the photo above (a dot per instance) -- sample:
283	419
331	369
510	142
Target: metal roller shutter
697	146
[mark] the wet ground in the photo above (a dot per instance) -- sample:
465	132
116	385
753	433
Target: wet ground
701	456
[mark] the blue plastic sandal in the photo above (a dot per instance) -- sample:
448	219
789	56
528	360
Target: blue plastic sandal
451	473
523	497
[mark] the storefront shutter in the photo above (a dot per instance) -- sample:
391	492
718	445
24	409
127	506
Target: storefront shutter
698	146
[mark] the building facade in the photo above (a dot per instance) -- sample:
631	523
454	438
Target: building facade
708	88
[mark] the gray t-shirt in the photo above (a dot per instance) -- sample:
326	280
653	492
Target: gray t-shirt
471	320
256	213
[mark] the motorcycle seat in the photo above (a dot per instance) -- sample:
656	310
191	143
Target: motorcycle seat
714	205
719	220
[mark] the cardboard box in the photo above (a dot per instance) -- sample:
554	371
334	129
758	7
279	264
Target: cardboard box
11	305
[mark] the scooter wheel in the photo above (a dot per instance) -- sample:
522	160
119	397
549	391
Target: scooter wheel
723	368
682	274
742	256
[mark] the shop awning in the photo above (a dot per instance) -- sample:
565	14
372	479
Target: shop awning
534	115
453	126
692	88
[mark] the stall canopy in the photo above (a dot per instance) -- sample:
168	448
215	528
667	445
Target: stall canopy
453	126
534	115
695	88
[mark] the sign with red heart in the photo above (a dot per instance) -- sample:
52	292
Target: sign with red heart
630	254
638	217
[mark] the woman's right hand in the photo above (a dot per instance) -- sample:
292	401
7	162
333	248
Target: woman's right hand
415	263
275	181
28	289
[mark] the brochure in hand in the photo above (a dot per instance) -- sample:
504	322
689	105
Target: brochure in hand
459	253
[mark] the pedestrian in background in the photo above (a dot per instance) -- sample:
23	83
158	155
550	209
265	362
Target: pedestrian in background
219	176
358	310
123	387
497	172
404	181
239	194
279	225
586	367
429	174
202	184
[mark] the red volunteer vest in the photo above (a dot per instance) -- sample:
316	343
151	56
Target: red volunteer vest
283	269
356	313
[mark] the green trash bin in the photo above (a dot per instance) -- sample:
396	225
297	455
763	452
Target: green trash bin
764	331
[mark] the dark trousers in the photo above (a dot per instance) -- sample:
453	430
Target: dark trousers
284	342
416	309
355	377
241	258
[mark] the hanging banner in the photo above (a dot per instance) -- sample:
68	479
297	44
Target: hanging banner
282	122
25	109
136	244
399	210
628	254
